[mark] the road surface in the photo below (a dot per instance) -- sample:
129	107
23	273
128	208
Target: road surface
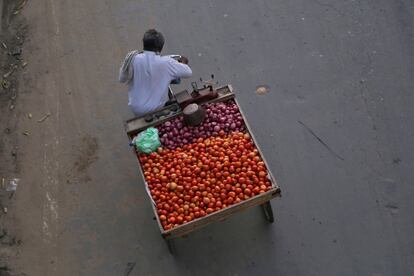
337	128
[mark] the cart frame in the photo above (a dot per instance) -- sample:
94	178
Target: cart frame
134	126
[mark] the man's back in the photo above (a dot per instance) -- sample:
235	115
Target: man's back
148	89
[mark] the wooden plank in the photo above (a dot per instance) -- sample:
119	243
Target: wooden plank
135	125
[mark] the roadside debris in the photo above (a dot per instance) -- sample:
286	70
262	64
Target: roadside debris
5	84
26	133
262	89
8	74
14	94
12	185
44	118
30	116
21	5
16	51
12	46
7	239
19	8
24	64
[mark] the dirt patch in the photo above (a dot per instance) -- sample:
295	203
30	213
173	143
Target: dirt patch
87	153
12	35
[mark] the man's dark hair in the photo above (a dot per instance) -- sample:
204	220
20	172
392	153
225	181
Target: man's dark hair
153	40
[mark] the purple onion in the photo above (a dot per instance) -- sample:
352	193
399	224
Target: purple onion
219	117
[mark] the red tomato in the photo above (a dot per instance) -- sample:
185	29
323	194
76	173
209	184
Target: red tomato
180	188
229	200
247	191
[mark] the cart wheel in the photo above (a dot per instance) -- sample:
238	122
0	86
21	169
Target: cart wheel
171	247
267	209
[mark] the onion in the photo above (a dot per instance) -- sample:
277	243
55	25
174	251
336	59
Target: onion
219	117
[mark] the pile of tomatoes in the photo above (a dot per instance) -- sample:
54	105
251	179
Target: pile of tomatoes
203	177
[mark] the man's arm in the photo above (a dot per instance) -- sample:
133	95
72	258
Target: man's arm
178	69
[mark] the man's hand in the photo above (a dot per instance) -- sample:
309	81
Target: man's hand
183	59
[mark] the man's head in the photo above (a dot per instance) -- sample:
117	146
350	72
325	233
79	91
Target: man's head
153	41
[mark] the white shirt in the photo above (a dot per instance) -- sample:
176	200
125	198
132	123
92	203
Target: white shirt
153	73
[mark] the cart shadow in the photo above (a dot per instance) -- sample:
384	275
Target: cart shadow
216	248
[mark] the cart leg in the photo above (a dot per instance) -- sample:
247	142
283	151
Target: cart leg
171	247
267	209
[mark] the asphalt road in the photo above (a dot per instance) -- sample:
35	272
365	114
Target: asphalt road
344	69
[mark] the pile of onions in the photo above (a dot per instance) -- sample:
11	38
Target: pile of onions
221	118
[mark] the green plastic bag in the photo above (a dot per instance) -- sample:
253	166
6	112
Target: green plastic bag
147	141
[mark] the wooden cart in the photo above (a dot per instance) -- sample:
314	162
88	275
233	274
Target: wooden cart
137	125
